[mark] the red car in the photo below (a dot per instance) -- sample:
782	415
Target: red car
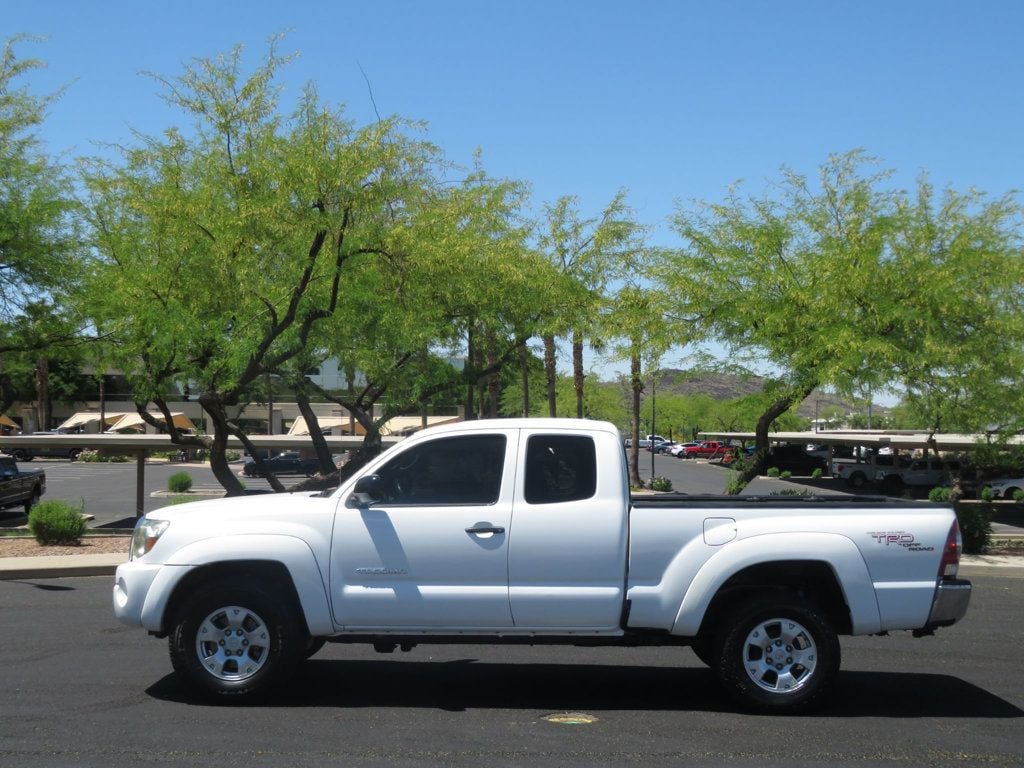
705	450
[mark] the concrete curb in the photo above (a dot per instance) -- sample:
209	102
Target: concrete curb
59	566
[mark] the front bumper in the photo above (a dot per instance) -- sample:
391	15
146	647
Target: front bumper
950	603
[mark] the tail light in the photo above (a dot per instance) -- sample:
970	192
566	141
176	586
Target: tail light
950	564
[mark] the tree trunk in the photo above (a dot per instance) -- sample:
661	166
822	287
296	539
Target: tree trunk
577	371
215	409
370	449
323	453
636	388
493	389
471	385
524	369
764	422
43	393
550	374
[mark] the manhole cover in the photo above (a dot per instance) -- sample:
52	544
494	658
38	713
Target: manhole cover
571	718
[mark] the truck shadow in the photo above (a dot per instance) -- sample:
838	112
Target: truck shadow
468	684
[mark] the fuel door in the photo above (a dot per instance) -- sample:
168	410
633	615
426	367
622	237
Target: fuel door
719	530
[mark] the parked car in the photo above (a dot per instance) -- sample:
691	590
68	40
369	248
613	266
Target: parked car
921	473
20	488
1005	488
287	463
706	449
664	446
29	452
794	459
859	472
678	449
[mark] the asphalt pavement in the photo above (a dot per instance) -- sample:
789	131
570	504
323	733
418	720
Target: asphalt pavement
80	689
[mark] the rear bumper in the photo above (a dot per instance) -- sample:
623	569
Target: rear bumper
950	603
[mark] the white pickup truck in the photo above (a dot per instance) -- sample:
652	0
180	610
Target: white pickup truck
523	531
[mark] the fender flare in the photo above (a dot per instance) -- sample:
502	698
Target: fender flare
837	551
290	551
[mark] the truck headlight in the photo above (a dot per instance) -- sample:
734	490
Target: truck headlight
147	533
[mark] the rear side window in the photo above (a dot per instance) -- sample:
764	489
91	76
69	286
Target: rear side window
560	468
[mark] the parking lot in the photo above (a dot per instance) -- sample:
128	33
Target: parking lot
81	689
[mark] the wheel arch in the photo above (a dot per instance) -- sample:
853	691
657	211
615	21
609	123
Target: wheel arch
828	567
292	570
812	580
264	572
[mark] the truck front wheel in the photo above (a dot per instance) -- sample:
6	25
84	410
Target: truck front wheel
232	639
777	654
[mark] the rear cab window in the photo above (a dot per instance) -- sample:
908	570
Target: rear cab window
560	468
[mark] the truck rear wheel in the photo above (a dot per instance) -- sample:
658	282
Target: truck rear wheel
857	480
232	639
777	654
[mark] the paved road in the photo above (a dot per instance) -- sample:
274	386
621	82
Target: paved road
81	690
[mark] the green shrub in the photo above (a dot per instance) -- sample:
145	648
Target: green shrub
735	486
940	494
232	455
172	500
661	484
56	522
96	456
786	474
773	472
975	526
1018	495
179	482
792	492
986	494
816	474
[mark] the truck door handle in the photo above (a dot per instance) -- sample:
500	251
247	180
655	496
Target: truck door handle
485	529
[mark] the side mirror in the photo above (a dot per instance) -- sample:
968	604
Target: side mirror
369	488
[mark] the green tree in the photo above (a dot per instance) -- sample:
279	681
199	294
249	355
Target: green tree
636	320
469	288
221	248
48	366
590	253
38	240
852	284
957	311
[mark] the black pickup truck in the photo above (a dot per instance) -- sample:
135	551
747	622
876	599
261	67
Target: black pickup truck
20	488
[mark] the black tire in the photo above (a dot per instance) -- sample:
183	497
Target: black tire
31	501
20	454
313	647
704	650
264	639
892	486
857	480
796	666
74	453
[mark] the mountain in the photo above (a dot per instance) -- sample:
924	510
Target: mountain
725	386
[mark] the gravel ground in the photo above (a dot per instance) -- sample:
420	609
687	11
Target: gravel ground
26	546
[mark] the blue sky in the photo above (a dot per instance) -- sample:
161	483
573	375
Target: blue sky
671	100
